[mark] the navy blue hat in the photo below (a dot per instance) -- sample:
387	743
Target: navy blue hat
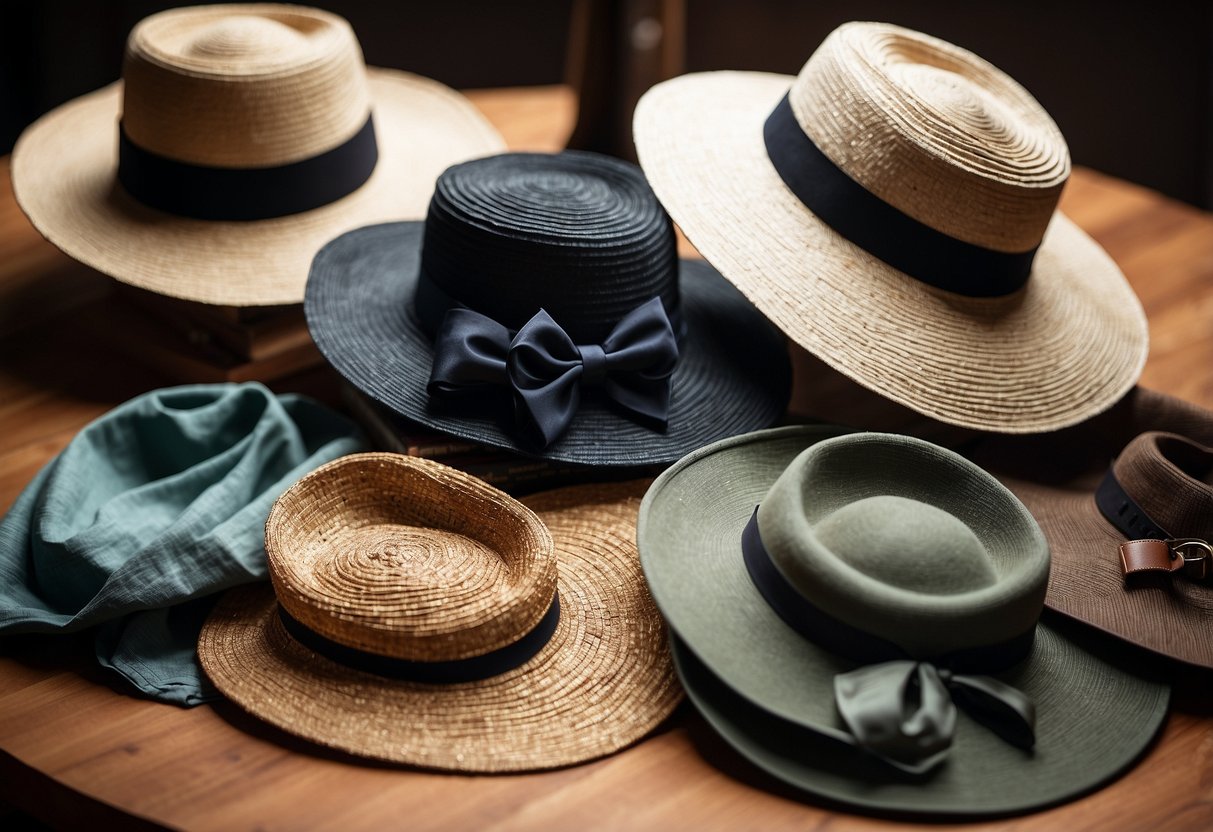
542	308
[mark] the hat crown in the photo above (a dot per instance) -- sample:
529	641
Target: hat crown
935	131
405	558
245	40
908	544
1171	478
580	235
243	86
906	541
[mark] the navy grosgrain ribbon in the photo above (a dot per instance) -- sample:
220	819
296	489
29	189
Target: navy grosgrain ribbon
883	231
545	370
431	303
900	709
1123	512
213	193
471	669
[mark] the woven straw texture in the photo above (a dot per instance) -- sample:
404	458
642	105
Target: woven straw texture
769	691
293	79
249	86
603	681
579	235
406	560
954	143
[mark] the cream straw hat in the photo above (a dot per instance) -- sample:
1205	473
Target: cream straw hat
894	154
258	132
419	615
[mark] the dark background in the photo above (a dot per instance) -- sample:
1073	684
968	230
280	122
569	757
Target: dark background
1130	84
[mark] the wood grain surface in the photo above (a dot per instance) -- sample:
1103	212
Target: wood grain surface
75	749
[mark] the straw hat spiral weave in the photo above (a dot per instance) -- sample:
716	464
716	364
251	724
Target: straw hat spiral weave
390	558
580	236
407	558
240	87
955	145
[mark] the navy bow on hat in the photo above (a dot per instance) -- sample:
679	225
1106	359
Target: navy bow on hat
545	370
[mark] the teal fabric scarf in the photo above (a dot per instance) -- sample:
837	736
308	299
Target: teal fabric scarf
150	509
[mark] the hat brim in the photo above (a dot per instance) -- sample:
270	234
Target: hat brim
1086	583
689	535
64	178
1056	477
603	681
733	373
1058	351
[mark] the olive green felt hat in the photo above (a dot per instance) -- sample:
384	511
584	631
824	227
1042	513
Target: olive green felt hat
858	614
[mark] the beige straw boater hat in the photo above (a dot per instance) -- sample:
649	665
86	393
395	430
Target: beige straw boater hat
893	210
419	615
240	140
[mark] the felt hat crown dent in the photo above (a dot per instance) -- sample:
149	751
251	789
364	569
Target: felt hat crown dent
907	541
935	131
400	557
777	679
266	86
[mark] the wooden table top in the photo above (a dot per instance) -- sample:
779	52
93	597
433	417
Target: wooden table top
75	749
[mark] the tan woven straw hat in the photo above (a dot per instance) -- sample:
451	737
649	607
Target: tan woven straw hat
258	134
424	617
892	209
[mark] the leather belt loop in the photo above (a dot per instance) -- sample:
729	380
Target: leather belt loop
1192	556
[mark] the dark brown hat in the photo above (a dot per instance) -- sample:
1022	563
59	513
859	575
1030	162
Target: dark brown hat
1126	502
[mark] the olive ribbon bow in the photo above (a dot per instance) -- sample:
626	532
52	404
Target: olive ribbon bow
904	711
546	371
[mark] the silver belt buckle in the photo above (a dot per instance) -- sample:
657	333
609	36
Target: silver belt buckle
1196	554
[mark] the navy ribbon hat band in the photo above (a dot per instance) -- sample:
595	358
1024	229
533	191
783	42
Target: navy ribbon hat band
839	637
1123	512
431	303
899	708
471	669
880	229
212	193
